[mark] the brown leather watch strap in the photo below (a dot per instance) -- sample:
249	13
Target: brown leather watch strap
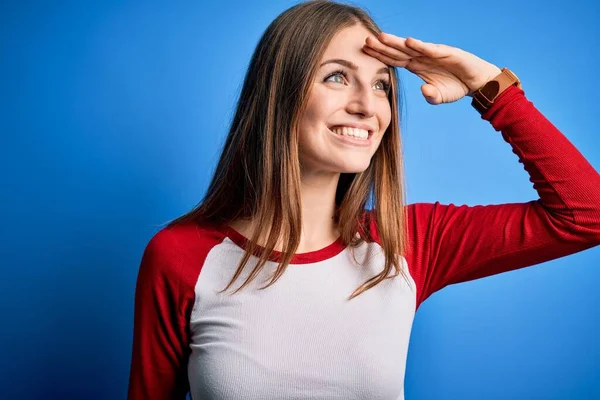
484	97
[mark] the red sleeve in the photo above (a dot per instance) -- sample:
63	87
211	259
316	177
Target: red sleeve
160	333
450	244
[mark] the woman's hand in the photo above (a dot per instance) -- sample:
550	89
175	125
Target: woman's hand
449	72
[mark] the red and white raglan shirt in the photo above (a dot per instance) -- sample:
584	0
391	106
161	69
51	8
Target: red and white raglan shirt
302	338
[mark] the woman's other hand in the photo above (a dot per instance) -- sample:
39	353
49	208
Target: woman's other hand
449	73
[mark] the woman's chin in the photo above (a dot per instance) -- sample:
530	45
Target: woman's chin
337	165
353	168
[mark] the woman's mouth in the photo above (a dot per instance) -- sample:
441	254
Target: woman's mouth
352	136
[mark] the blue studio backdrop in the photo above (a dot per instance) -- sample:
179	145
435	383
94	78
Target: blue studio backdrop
112	118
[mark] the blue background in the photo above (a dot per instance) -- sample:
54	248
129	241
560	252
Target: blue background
112	117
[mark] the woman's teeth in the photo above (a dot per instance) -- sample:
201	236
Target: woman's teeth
353	132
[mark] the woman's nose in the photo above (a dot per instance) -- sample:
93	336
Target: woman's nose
362	102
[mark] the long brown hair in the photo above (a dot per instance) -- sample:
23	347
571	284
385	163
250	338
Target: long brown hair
258	173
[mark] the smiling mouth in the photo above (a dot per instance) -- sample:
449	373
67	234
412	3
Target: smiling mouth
353	140
337	130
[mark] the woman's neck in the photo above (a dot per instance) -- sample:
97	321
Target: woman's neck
318	207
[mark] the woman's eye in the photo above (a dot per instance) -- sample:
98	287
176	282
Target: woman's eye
338	75
382	85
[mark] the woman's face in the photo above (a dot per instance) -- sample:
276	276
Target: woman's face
338	101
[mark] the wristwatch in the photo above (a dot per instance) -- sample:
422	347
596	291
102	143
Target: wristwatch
483	98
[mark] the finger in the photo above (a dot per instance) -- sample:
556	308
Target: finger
423	61
387	50
429	49
398	43
432	94
423	67
385	58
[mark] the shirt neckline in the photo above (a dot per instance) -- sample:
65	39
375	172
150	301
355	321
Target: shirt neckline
309	257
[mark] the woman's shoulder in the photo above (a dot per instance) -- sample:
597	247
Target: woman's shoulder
186	237
417	217
176	250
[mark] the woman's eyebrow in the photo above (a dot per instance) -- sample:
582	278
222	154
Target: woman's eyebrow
351	65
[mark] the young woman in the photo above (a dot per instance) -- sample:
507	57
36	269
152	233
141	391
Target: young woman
326	289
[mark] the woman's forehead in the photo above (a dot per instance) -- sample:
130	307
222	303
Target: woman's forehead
348	44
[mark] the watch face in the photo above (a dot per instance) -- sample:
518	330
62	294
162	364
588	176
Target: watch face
490	90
